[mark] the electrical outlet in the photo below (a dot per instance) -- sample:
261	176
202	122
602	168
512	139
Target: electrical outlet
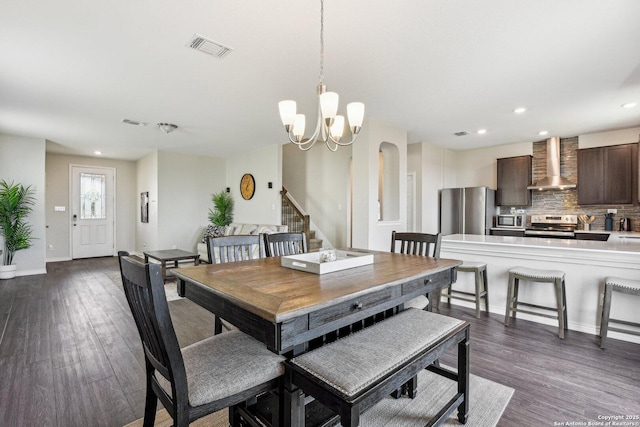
173	246
144	244
50	247
613	211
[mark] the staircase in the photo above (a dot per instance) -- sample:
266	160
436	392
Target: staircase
297	220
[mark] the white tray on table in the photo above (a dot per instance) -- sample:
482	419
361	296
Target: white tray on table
310	262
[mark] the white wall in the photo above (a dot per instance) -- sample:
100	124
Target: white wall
431	160
58	223
22	160
266	166
478	167
185	186
147	180
318	180
614	137
367	231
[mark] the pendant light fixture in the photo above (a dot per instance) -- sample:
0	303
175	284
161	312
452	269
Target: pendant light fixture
330	125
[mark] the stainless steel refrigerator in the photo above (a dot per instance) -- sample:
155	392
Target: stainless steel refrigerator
467	210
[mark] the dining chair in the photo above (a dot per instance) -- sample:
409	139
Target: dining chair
223	371
235	248
278	244
422	244
418	244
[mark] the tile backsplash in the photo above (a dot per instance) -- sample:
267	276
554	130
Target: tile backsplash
566	201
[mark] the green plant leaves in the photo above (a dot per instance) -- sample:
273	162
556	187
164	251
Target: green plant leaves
16	203
222	214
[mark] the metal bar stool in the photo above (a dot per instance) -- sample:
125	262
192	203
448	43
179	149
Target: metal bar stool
626	286
479	269
533	275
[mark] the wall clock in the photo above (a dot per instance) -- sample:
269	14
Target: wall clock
247	186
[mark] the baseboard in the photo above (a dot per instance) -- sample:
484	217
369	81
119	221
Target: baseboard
573	326
58	259
31	272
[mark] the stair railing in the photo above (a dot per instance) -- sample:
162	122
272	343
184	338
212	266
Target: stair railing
292	215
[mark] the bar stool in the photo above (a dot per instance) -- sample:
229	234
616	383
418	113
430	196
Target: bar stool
479	269
626	286
533	275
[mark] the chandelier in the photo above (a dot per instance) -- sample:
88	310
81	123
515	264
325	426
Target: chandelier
330	125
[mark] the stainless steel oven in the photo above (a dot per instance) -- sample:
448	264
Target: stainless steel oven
552	226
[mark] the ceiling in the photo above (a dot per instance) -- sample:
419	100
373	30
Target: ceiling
72	70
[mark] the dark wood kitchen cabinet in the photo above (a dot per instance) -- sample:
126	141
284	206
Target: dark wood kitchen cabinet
514	175
608	175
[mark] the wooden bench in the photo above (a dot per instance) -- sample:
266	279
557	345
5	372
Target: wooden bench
352	374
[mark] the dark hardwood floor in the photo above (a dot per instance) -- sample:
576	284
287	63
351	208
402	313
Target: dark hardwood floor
70	356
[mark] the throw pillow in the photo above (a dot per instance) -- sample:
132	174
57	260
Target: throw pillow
213	231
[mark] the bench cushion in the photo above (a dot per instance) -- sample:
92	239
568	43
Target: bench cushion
353	363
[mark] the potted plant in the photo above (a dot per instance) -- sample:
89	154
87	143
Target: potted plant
16	203
222	213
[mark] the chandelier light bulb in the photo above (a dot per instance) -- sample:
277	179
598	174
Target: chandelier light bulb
337	128
329	104
355	114
287	112
298	127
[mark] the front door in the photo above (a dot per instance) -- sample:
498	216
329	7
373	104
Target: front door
92	216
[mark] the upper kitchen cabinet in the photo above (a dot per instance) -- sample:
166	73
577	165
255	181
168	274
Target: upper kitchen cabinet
514	175
608	175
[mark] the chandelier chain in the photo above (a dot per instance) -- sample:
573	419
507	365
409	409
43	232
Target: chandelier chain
321	42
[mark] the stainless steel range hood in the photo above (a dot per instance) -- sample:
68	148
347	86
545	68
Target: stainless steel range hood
553	180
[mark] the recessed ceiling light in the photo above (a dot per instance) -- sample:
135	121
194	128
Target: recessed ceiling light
629	105
97	152
543	132
519	110
482	131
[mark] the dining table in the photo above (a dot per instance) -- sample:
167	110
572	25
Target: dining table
291	310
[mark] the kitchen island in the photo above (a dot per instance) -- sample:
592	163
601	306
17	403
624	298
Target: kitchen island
585	262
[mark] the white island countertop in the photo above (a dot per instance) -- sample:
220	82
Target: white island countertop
586	263
628	242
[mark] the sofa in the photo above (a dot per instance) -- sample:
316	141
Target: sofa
236	228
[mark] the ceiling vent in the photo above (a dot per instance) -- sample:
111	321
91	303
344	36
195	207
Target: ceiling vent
133	122
208	46
463	133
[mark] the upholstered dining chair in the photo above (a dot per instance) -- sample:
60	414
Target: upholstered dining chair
235	248
418	244
278	244
221	371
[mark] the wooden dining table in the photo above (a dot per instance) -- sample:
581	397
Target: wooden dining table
287	309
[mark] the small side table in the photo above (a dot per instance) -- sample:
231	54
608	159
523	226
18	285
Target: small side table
171	255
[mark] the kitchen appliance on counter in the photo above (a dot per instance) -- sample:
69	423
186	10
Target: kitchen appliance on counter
467	210
552	226
625	224
510	221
